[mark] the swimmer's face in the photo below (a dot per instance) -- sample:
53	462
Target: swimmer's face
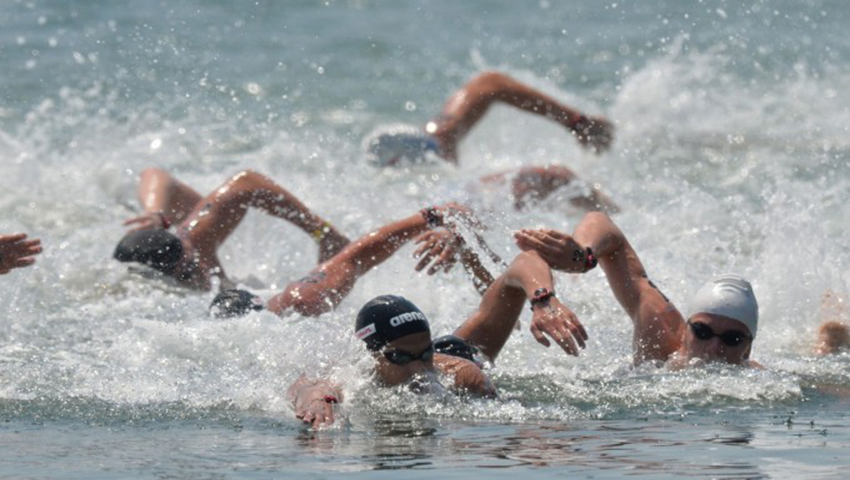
415	345
715	338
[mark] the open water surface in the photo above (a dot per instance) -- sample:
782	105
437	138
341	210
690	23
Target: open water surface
731	155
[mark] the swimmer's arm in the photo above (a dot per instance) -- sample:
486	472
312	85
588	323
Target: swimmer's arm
313	400
625	273
468	377
490	326
376	247
162	194
530	273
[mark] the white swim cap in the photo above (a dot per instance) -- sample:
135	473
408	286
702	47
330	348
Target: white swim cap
731	296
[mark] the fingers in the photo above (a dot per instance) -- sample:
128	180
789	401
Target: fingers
444	262
22	262
538	335
324	415
11	239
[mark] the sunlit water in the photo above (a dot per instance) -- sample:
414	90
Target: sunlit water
731	155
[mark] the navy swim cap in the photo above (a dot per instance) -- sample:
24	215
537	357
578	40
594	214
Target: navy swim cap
235	303
387	318
156	248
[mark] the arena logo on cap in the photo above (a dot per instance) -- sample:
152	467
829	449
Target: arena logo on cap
407	317
365	332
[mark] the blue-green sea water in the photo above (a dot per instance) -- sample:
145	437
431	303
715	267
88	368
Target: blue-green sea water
731	154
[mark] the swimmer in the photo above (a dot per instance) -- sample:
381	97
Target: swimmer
834	333
201	224
398	337
468	105
322	289
16	251
724	313
531	185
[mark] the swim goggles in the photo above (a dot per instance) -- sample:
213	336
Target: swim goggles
400	357
731	338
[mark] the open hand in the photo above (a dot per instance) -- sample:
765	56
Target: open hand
560	324
312	406
439	248
16	251
557	249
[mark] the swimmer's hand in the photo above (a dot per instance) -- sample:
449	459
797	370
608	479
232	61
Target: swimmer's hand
557	249
595	133
439	248
449	214
314	401
16	251
560	324
148	221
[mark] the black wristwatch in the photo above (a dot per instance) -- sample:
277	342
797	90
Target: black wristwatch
541	297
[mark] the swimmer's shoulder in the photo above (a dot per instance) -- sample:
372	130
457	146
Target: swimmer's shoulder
468	377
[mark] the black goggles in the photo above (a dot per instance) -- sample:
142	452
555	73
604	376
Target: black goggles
731	338
400	357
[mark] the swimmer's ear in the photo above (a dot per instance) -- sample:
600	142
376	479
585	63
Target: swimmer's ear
235	303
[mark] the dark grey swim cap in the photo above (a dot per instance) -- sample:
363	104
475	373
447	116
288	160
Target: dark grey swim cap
156	248
235	303
387	318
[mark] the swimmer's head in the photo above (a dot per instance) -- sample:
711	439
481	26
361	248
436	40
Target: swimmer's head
235	303
158	249
399	337
399	144
724	320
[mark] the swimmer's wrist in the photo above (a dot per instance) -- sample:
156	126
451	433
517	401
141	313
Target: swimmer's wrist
319	233
541	298
575	121
163	220
433	217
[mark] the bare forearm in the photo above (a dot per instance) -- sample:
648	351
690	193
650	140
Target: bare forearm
597	231
528	272
154	188
374	248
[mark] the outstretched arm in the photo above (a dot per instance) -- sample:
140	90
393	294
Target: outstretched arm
325	287
17	251
314	400
657	322
528	277
469	104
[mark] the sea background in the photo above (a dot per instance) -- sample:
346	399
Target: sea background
731	154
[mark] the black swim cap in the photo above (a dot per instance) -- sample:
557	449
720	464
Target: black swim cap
386	318
235	303
156	248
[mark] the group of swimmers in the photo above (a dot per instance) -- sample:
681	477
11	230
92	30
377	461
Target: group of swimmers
179	232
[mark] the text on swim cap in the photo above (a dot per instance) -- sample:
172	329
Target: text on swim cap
365	332
407	317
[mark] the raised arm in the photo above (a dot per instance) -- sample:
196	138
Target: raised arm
657	322
314	400
164	199
469	104
527	278
327	285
